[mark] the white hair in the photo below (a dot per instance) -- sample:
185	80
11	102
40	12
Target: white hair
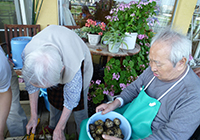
180	45
43	66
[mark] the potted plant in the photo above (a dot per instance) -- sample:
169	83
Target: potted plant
113	38
95	30
132	17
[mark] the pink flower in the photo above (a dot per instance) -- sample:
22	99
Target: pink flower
107	67
141	2
103	24
108	17
112	93
142	66
111	12
91	83
147	44
133	14
140	43
190	57
127	84
140	36
122	86
106	92
87	25
98	82
139	6
116	76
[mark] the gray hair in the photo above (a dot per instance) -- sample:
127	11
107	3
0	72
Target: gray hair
180	45
43	66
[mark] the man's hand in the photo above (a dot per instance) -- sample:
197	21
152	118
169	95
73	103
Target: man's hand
58	134
105	108
31	126
107	137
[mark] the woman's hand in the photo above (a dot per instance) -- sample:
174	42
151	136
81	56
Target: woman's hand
31	126
58	134
107	137
105	108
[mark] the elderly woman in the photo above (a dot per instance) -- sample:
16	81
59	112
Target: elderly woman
172	88
55	56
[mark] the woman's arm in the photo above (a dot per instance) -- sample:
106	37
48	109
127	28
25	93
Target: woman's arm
58	133
72	92
5	103
32	124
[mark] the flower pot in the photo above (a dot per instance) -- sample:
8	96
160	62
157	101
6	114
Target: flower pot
93	39
130	41
115	48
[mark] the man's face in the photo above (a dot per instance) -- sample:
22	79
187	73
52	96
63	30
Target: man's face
160	64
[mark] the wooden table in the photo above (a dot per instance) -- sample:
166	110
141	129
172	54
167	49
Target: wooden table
104	51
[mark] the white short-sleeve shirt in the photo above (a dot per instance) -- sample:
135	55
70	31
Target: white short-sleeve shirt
5	72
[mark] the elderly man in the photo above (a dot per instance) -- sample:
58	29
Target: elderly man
170	84
55	56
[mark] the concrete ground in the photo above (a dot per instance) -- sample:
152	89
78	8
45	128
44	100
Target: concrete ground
44	115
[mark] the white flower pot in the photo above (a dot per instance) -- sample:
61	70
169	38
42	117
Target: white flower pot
93	39
130	41
115	48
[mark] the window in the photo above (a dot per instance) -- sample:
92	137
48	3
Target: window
194	31
7	15
164	14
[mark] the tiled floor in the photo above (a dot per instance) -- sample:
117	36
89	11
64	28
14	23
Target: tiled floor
43	114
